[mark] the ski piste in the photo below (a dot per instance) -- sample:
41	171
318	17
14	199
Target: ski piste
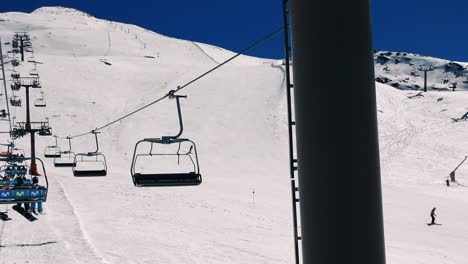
24	213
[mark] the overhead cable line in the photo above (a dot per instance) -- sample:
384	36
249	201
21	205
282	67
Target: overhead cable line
172	92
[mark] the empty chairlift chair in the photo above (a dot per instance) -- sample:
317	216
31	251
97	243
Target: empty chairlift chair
166	161
40	102
90	164
65	158
52	151
34	72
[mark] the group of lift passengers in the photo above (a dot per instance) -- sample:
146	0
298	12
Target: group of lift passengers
16	174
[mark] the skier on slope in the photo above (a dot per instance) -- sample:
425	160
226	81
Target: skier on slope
433	215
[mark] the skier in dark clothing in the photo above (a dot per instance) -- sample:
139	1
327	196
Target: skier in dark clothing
433	215
40	210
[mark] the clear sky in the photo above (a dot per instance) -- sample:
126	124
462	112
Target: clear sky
434	28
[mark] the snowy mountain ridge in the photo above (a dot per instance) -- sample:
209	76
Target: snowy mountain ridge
60	10
402	71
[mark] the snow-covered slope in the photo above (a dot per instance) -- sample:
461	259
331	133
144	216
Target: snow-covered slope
401	70
237	116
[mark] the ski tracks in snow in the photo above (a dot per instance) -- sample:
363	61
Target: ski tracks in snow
56	237
71	230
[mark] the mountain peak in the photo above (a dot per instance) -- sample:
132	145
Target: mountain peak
58	10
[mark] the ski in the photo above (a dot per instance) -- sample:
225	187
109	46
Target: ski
24	213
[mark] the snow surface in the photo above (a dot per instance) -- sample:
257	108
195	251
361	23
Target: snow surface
237	116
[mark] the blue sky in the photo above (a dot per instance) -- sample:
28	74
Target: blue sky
433	28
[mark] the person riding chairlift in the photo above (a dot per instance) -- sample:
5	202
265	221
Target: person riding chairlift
40	209
20	182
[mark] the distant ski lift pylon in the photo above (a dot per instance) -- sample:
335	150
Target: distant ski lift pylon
65	158
159	149
90	164
52	151
40	102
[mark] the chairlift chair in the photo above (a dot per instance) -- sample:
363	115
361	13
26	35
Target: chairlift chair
17	132
12	155
45	131
15	86
3	114
40	102
15	75
90	164
36	83
52	151
15	101
19	187
18	151
65	158
6	149
191	174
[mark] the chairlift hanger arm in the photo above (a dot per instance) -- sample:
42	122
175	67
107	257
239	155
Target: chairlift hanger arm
97	142
69	144
179	112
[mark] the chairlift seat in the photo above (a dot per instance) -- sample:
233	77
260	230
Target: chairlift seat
65	161
80	159
52	152
55	155
40	103
167	179
89	173
64	164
